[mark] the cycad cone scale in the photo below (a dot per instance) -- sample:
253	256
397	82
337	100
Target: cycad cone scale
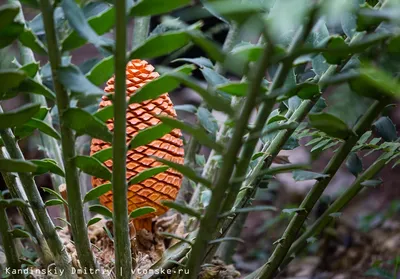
163	186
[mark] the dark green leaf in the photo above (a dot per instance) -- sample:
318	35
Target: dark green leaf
198	132
159	86
43	127
11	33
30	69
200	160
12	203
374	82
210	98
18	116
104	114
319	33
336	50
207	120
96	192
77	21
9	165
156	7
102	71
53	202
186	171
31	3
187	108
25	130
321	144
93	167
7	14
30	85
369	19
276	118
29	39
330	125
151	48
200	61
100	24
18	233
72	78
247	52
213	51
354	164
363	139
372	183
301	175
308	90
271	130
54	193
85	123
386	129
93	221
182	208
149	134
102	210
47	165
234	88
103	155
139	212
141	176
234	10
10	79
213	78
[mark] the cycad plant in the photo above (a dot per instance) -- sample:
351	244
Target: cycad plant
273	82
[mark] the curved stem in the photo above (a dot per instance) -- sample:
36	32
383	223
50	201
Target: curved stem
50	145
270	152
8	244
123	257
338	205
75	206
289	236
222	136
61	258
209	222
16	190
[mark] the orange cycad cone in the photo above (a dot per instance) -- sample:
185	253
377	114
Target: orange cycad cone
163	186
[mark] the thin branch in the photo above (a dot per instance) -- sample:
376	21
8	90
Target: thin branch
235	226
78	223
222	135
123	256
17	191
209	222
289	236
265	110
8	244
50	145
60	256
337	206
